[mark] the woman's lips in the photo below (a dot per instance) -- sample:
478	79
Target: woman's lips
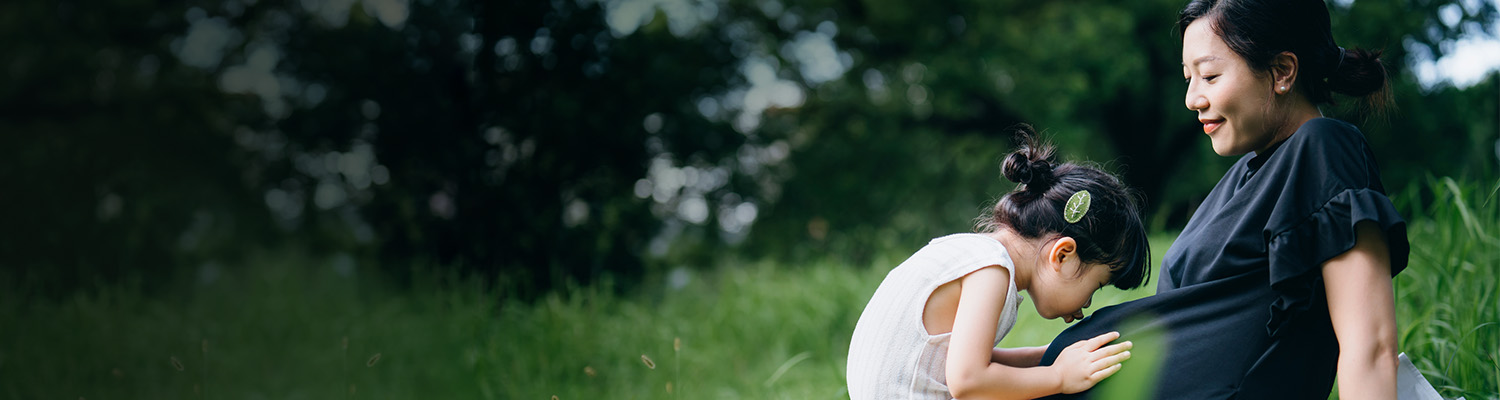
1209	126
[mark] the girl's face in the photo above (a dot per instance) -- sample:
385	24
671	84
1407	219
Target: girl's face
1233	101
1060	290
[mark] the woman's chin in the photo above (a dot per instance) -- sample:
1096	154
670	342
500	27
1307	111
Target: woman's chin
1226	149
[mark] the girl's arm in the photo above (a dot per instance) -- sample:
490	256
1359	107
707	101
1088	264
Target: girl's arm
1361	303
970	373
1019	357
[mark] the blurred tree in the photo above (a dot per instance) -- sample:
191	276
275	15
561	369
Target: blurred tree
546	142
118	159
527	141
1432	129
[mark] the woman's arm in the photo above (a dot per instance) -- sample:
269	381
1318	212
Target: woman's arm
1019	357
970	373
1361	303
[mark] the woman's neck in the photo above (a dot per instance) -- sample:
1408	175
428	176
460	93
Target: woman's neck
1298	112
1023	253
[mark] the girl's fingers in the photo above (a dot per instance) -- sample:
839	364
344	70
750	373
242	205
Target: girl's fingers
1101	340
1110	350
1116	348
1104	373
1113	360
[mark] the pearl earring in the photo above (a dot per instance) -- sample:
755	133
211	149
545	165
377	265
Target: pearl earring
1283	89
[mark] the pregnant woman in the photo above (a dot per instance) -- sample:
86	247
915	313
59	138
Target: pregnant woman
1282	277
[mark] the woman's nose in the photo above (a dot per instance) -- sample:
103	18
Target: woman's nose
1195	101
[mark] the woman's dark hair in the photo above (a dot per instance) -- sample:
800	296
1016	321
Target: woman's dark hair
1258	30
1110	233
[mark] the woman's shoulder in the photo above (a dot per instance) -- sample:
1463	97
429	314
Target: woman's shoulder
1329	124
1325	158
1332	146
1325	134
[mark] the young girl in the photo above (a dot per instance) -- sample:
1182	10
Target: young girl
931	328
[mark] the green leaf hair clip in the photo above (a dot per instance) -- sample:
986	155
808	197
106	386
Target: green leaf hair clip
1078	205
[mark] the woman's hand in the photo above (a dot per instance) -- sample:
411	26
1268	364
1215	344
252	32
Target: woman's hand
1083	364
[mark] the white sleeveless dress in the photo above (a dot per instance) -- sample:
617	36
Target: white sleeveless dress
891	356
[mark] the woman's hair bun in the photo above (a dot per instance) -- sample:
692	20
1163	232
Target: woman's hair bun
1031	164
1361	74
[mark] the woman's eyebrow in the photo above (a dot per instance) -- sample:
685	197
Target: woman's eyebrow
1203	59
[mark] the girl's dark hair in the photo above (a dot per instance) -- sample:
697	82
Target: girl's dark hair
1258	30
1110	233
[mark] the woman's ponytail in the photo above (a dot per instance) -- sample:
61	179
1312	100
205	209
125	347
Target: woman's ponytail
1361	74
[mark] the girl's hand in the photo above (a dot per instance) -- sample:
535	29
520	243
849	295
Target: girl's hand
1083	364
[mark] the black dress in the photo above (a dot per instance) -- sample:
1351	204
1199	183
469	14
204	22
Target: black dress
1240	310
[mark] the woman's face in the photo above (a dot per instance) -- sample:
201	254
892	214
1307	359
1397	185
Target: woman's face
1233	101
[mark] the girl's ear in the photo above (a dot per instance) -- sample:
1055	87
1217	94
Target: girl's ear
1062	249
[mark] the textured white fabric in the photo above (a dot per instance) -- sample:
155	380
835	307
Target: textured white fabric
891	356
1410	384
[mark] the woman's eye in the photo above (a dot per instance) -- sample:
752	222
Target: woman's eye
1210	78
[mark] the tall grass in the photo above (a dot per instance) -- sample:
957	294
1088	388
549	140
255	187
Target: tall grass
272	329
1448	299
295	327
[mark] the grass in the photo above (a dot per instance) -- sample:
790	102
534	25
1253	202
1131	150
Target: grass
295	327
1448	299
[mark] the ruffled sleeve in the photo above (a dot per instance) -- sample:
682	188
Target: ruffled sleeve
1297	254
1331	184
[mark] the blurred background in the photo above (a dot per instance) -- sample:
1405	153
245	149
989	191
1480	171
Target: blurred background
199	168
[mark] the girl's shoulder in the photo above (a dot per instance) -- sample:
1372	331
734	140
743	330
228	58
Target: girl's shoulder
974	247
978	240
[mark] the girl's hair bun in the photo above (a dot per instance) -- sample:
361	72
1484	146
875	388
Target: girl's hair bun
1031	164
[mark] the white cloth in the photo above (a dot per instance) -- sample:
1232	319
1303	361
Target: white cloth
891	356
1410	384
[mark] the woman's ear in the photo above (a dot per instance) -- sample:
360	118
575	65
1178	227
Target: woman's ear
1062	249
1284	72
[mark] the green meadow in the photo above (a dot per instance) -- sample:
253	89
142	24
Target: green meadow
284	326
